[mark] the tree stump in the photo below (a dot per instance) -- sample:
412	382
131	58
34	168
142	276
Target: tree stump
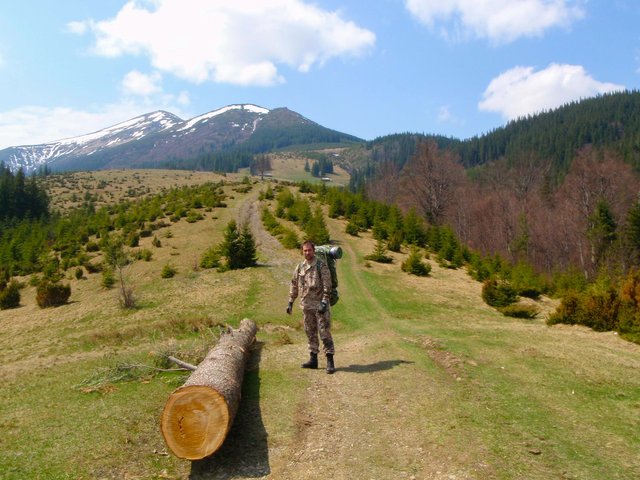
197	416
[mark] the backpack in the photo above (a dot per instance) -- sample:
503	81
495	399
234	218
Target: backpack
329	254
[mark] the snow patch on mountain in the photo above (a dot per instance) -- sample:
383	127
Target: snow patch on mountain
205	117
31	157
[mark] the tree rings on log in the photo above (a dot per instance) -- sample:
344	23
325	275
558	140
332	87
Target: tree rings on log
198	417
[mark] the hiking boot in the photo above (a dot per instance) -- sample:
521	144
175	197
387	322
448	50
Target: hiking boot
313	361
331	368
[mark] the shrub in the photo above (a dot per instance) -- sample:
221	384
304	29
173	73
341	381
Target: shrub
525	281
598	308
92	267
601	309
379	254
630	289
271	223
414	264
520	311
530	292
168	271
108	278
79	273
127	299
498	294
267	194
211	258
92	247
144	254
629	323
478	268
568	312
50	294
156	242
194	216
395	241
290	240
10	296
51	270
352	229
133	240
570	280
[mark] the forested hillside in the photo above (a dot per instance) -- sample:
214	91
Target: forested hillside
609	121
557	190
20	198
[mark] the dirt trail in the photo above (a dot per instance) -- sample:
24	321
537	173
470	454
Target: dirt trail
361	422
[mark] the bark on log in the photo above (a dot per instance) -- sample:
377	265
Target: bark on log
197	416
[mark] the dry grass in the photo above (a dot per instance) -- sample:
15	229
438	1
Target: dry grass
106	187
290	166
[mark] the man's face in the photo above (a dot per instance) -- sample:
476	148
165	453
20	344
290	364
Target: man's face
308	252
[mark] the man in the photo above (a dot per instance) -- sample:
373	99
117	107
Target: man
312	282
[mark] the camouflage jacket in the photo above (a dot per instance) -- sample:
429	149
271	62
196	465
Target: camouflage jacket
311	282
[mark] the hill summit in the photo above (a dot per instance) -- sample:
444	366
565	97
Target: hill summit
161	138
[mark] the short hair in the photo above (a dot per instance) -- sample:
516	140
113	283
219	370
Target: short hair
309	242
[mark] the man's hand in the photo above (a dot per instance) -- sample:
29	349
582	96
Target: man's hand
322	307
289	307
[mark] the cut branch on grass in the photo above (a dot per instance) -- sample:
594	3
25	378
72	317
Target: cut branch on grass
184	365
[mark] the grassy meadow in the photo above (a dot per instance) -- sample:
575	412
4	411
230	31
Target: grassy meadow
431	384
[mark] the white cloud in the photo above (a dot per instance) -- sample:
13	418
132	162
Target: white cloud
522	91
138	83
32	125
242	43
500	21
182	99
79	28
445	115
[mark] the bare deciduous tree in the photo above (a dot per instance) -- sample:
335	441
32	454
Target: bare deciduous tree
260	165
430	179
595	176
384	187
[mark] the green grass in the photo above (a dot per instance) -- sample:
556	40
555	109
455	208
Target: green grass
74	434
484	395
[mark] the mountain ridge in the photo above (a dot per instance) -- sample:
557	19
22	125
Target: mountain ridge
158	138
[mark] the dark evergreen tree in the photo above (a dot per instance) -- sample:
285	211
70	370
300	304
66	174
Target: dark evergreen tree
315	169
238	247
316	229
21	198
248	252
632	232
602	232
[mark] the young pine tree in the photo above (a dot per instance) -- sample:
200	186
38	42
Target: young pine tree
238	247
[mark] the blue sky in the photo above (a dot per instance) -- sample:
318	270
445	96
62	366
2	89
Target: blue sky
368	68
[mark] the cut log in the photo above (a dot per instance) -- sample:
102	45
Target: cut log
197	416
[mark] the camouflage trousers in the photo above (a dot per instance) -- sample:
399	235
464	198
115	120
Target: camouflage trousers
318	324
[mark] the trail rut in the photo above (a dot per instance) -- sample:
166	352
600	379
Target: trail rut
369	412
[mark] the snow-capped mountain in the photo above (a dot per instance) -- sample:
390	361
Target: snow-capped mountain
30	157
159	138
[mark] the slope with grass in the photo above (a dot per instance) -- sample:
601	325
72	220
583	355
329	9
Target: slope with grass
431	382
